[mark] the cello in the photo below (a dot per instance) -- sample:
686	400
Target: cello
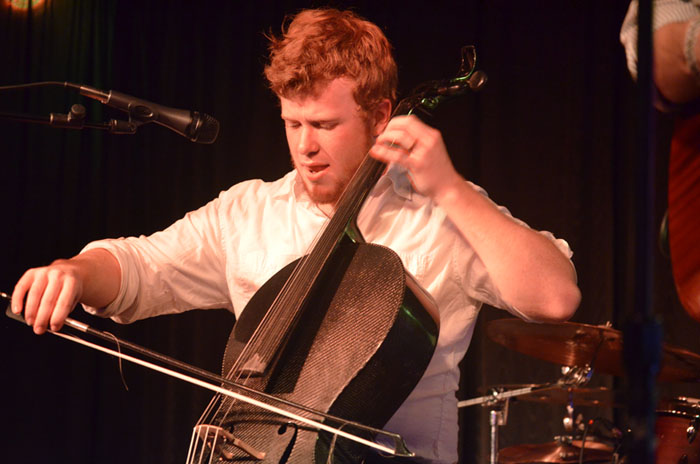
350	356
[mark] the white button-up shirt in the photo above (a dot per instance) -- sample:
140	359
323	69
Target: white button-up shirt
220	254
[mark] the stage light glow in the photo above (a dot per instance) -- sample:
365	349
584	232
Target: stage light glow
24	5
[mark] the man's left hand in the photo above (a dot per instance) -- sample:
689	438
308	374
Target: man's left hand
409	142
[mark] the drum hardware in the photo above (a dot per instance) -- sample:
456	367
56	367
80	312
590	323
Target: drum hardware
609	437
497	400
569	390
565	390
579	396
572	425
581	349
498	417
572	379
575	376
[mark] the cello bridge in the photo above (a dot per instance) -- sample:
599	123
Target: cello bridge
216	437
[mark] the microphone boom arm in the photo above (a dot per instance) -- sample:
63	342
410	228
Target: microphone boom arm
197	127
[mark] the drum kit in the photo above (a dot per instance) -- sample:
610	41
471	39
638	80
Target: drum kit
582	349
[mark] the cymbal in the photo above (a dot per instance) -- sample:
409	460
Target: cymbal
574	344
554	452
561	394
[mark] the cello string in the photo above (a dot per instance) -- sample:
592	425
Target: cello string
270	322
202	446
223	411
207	411
368	172
282	302
190	449
363	175
313	262
271	315
212	447
250	348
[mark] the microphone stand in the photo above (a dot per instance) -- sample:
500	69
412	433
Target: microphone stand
197	127
643	333
74	119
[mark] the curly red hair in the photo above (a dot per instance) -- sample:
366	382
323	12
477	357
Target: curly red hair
317	46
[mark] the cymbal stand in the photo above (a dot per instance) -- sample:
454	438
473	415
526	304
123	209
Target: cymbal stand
573	377
498	399
498	416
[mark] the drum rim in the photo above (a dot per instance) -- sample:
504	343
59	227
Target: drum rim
683	406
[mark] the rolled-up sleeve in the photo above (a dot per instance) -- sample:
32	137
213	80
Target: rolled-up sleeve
170	271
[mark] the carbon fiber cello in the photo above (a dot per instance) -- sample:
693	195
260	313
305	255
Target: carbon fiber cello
345	330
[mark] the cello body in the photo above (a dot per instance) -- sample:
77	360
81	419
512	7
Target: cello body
363	344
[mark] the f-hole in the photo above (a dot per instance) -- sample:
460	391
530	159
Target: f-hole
288	451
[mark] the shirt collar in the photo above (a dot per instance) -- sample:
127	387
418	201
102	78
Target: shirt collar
290	184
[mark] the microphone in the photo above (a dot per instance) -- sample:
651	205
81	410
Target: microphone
196	126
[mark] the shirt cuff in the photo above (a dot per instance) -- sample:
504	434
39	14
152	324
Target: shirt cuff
112	309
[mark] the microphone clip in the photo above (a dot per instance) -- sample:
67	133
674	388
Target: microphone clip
75	119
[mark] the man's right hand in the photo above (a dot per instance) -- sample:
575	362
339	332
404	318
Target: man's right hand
51	293
48	294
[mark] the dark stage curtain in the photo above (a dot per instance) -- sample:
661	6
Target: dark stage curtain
551	137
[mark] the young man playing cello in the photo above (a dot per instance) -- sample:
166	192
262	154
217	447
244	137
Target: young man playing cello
336	81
